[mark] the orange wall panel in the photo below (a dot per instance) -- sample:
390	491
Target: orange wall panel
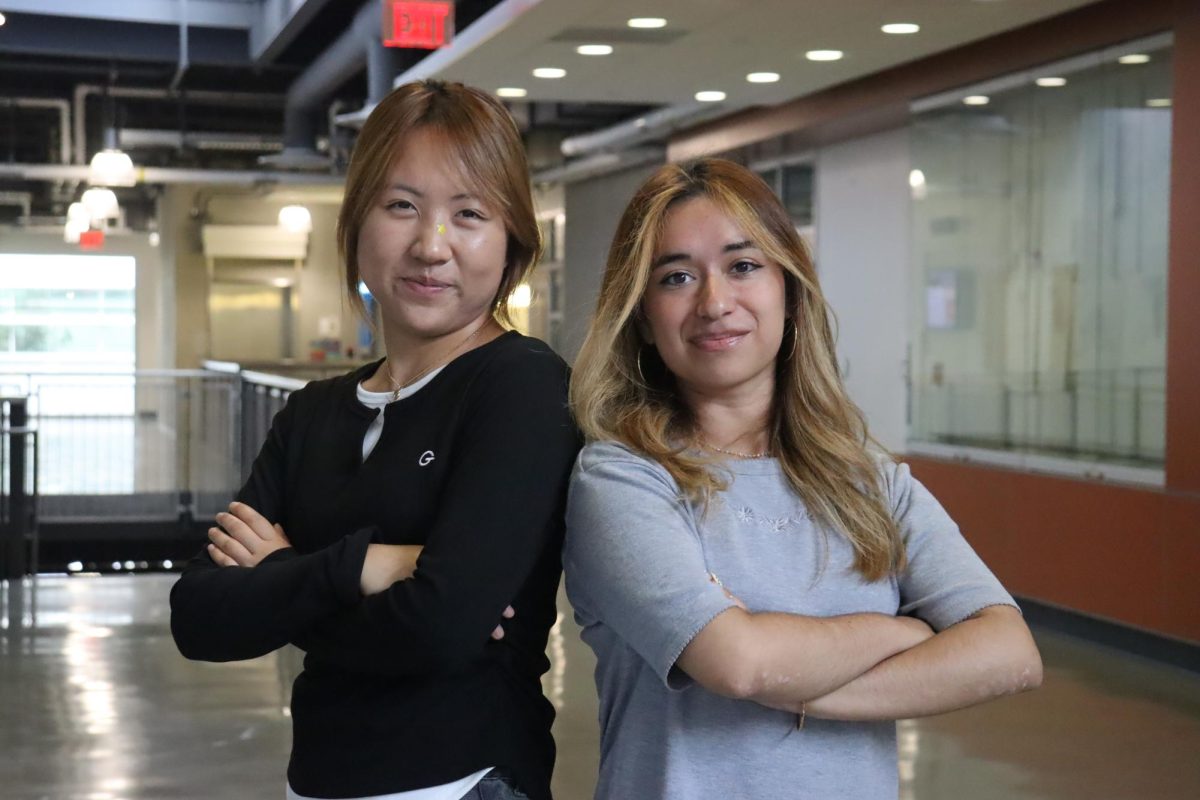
1126	554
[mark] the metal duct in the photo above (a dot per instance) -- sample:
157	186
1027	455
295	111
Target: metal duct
211	177
655	125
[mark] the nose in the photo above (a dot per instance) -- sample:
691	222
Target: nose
432	245
715	299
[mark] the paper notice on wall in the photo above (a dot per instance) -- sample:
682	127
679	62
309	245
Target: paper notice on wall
329	327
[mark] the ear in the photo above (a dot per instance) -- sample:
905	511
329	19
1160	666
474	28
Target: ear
643	327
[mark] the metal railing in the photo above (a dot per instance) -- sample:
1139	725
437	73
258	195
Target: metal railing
18	490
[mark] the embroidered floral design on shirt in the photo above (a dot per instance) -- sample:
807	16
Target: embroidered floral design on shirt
747	515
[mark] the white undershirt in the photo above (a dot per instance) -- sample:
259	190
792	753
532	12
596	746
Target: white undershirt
447	791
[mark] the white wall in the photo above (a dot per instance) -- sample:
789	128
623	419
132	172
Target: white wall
862	254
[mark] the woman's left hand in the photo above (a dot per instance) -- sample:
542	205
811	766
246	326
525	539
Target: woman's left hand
248	537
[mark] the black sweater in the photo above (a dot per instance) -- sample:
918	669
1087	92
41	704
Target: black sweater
405	689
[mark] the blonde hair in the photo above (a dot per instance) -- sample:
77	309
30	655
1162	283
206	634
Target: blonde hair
481	133
621	391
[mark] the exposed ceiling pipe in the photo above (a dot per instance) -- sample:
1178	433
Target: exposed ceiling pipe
22	200
79	139
183	46
164	175
142	138
600	164
348	54
64	117
654	125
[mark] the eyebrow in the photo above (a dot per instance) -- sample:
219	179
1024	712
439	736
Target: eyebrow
671	258
404	187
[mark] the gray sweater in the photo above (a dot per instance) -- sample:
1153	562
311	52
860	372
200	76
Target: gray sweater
637	559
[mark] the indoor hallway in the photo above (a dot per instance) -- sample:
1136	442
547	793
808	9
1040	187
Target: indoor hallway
98	705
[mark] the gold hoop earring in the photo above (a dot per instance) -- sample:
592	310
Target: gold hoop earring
641	374
795	338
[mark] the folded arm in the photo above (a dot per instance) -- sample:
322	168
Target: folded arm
502	516
991	654
781	660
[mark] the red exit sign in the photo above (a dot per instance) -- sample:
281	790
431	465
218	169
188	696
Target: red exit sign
423	25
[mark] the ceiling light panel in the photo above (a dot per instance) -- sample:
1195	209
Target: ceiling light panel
763	77
549	72
594	49
710	96
647	22
901	28
824	55
511	91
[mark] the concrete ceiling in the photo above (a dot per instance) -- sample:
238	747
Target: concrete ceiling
711	44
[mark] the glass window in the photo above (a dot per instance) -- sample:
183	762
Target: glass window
1040	255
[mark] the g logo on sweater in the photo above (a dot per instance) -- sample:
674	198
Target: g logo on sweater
425	458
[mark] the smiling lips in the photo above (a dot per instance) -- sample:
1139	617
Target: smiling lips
717	341
424	286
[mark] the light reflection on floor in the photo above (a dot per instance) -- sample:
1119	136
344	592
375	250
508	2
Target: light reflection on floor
98	705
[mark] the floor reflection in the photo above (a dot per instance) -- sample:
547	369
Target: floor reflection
98	705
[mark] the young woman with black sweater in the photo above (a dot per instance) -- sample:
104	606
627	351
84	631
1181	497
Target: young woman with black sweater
396	514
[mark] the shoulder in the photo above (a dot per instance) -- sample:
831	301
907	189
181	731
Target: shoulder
526	355
609	463
616	455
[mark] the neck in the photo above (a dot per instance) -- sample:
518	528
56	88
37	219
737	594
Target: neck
737	419
409	357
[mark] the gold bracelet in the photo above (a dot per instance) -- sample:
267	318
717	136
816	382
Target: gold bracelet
800	717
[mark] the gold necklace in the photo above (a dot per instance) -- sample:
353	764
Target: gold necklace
734	453
398	387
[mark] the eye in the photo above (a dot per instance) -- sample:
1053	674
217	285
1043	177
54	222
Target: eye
744	267
677	278
471	213
399	205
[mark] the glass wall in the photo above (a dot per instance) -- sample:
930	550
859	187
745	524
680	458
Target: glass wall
1040	220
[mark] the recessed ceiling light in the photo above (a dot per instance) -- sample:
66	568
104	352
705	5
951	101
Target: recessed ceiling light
511	91
977	100
1159	102
549	72
901	27
824	55
594	49
3	19
647	22
1051	82
1134	58
710	96
763	77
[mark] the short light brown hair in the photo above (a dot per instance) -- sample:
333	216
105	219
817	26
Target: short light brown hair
481	133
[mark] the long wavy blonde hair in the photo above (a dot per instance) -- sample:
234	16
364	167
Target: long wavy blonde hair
621	390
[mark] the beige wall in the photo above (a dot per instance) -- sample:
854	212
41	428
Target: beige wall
318	292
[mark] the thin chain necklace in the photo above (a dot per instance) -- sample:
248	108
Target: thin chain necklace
398	387
734	453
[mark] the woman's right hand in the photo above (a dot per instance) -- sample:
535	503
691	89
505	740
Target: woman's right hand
387	563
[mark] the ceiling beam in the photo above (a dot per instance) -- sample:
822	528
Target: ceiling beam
237	14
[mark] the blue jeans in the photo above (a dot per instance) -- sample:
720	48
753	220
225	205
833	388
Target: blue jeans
495	786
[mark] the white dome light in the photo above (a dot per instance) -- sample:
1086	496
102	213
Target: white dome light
977	100
763	77
549	72
1134	58
647	22
74	229
594	49
900	28
111	168
77	212
511	91
711	96
824	55
1051	82
101	204
295	219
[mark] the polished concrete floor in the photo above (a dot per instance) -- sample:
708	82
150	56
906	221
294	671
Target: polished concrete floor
96	704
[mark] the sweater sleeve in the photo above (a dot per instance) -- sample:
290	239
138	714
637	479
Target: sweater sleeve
231	613
501	507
